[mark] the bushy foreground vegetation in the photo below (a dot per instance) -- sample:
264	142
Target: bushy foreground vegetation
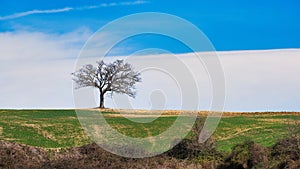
187	154
254	141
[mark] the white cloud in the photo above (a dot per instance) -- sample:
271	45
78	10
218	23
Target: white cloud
257	80
35	73
67	9
262	80
35	68
24	45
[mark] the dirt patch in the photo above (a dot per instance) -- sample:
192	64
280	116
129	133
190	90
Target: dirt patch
150	137
238	132
40	131
13	155
272	120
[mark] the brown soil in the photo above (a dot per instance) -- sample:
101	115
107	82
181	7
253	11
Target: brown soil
13	155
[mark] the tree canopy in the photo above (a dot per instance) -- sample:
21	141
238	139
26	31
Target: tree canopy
116	77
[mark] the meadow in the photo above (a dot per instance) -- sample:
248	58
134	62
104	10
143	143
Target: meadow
52	129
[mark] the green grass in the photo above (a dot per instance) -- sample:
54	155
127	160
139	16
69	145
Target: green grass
61	128
265	130
141	130
43	128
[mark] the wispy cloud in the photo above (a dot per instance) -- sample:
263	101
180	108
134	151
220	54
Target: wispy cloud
21	14
67	9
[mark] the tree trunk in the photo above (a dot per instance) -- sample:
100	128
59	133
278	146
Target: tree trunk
101	100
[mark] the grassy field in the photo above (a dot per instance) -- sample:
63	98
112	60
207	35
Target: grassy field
61	128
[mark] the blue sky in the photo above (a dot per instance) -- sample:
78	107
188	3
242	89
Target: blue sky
230	25
41	39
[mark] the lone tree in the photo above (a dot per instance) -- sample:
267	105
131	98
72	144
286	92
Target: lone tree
118	77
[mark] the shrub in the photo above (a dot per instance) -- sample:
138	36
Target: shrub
245	156
205	154
286	152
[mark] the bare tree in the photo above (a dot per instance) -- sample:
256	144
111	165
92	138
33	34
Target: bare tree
118	77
